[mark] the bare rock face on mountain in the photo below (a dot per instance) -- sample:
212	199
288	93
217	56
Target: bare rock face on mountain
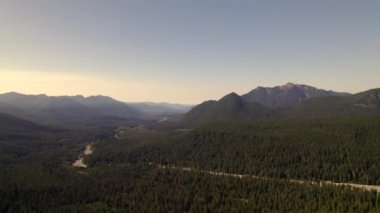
287	95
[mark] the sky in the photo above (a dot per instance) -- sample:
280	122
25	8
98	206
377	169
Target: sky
186	51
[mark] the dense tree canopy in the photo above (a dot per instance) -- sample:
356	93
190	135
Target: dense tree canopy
36	172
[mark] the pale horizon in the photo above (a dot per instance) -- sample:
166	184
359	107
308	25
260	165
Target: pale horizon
49	84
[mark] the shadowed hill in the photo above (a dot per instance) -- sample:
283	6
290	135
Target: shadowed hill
230	108
13	128
361	104
9	122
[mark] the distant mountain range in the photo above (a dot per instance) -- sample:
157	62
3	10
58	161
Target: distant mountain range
45	109
287	95
63	109
287	101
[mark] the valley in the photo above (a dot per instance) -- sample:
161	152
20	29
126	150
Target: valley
189	106
222	155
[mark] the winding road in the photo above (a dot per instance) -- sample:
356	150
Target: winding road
233	175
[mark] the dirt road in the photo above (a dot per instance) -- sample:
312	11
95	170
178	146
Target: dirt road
320	183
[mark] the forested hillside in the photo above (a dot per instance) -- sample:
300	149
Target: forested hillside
362	104
231	107
123	173
342	150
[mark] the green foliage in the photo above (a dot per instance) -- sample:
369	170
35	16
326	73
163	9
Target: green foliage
36	173
138	188
342	150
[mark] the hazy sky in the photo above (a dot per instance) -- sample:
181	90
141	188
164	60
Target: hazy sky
186	51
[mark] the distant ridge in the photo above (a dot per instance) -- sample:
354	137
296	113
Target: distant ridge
90	110
286	95
287	101
64	109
